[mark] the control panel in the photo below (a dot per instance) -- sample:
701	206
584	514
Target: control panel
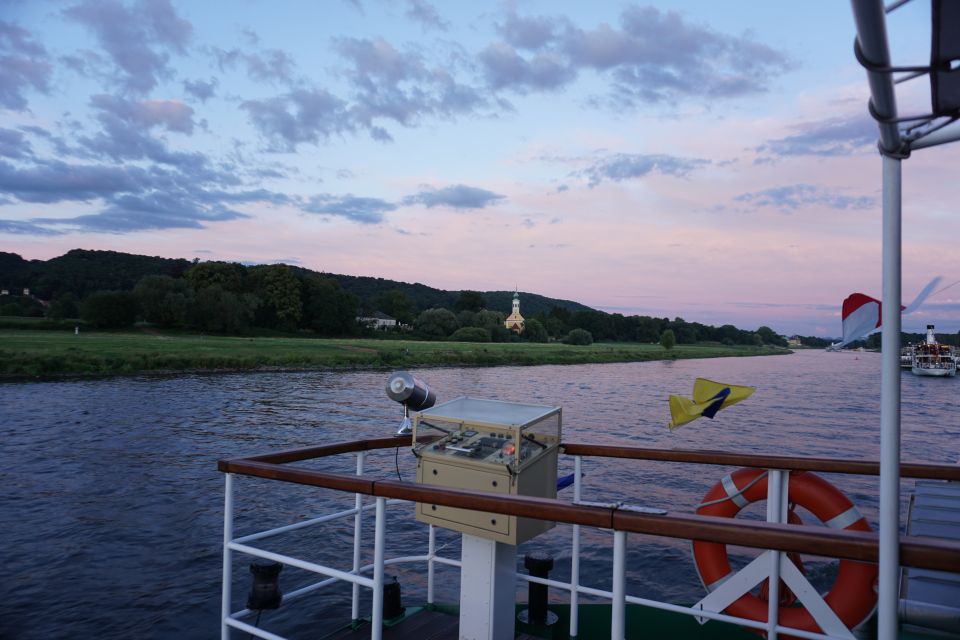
489	446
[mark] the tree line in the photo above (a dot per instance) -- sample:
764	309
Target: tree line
232	298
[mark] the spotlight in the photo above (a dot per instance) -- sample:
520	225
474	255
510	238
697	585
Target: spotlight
413	393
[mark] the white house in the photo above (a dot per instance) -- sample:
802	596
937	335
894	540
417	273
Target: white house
378	320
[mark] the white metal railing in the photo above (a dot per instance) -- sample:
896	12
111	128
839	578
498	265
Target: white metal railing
771	565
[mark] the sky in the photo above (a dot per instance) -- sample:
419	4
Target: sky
706	160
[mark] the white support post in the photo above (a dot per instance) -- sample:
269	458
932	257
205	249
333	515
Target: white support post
776	505
431	554
575	554
488	586
227	556
890	405
376	617
357	539
619	606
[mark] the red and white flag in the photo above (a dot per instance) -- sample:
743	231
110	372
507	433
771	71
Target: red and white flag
861	313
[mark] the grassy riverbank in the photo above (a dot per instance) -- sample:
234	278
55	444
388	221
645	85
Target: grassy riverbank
51	353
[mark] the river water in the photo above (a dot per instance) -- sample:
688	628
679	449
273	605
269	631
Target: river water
112	505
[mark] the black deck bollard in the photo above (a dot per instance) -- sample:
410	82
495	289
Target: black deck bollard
265	590
539	564
392	602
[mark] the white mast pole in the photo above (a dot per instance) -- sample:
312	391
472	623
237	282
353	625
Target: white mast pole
872	39
890	405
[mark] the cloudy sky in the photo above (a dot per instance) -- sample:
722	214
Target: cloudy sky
709	160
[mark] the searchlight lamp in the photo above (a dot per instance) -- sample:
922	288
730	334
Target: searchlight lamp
413	393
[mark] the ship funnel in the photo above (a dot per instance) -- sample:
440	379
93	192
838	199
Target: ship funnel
931	338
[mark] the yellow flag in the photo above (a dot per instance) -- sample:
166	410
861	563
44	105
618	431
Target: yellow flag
708	398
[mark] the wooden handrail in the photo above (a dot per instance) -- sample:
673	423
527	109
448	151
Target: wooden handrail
792	463
917	470
924	553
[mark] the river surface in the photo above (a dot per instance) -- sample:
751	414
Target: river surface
112	505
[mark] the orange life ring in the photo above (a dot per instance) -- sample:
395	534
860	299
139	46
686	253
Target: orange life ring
853	595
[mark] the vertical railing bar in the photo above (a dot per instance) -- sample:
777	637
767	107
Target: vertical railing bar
431	552
227	596
357	537
376	616
619	606
775	478
575	554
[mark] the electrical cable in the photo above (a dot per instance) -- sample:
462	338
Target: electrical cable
256	624
396	461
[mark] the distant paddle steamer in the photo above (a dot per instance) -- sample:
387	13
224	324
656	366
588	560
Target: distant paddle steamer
930	358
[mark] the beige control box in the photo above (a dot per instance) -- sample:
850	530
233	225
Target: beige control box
492	446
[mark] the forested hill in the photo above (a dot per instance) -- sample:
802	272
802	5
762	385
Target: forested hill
366	288
81	272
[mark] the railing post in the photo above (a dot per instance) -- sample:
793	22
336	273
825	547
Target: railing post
227	556
575	555
378	551
431	552
619	608
357	537
776	503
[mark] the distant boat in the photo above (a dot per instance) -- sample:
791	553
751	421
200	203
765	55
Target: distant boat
906	357
930	358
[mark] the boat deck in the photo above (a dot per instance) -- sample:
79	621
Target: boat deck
442	622
423	625
932	596
934	511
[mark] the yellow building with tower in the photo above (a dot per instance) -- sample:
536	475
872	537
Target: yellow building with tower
514	321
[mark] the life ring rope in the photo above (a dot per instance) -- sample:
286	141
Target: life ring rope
733	492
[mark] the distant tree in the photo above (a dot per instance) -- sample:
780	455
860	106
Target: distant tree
684	331
397	304
555	326
65	305
215	309
470	301
534	331
228	275
499	333
163	300
668	340
489	319
579	337
109	309
770	336
436	323
21	306
279	292
471	334
598	323
467	318
648	329
327	308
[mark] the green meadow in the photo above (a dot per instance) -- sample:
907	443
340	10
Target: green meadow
26	353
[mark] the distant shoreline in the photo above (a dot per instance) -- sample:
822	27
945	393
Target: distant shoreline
32	355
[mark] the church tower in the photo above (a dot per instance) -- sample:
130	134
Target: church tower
514	321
